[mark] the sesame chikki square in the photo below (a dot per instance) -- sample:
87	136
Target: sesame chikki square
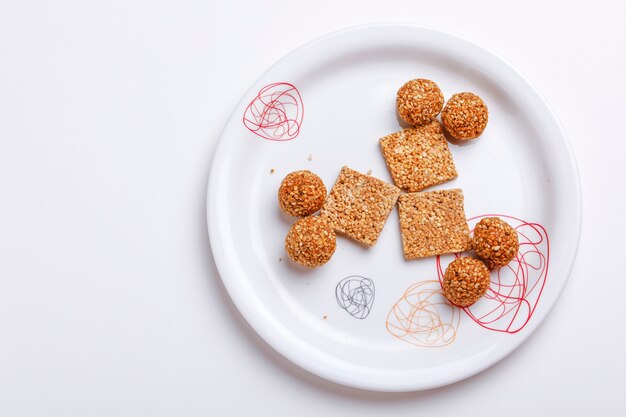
418	157
358	205
433	223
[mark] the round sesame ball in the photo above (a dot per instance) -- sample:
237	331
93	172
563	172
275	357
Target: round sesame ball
419	101
465	281
311	241
465	116
495	242
301	193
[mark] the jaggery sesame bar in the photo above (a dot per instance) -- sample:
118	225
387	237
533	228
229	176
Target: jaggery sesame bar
418	157
358	205
433	223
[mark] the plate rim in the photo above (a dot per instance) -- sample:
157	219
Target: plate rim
287	348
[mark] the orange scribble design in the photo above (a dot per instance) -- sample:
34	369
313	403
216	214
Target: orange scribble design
423	316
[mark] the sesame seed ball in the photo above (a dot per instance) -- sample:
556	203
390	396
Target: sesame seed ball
311	241
301	193
495	242
465	116
465	281
419	101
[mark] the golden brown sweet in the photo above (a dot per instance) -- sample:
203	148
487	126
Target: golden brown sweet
418	157
419	101
433	223
495	242
311	241
465	116
465	281
358	205
301	193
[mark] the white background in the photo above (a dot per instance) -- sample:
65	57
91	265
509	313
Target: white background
110	304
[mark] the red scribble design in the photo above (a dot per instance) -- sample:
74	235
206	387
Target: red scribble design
516	288
275	113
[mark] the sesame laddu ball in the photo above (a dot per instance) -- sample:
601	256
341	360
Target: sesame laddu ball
495	242
419	101
301	193
465	281
311	241
465	116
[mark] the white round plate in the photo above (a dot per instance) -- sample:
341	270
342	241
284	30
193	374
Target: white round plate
403	336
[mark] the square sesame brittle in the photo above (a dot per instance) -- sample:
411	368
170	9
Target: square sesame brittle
433	223
358	205
418	157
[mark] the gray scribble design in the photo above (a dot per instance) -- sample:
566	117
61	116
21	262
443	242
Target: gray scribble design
355	294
